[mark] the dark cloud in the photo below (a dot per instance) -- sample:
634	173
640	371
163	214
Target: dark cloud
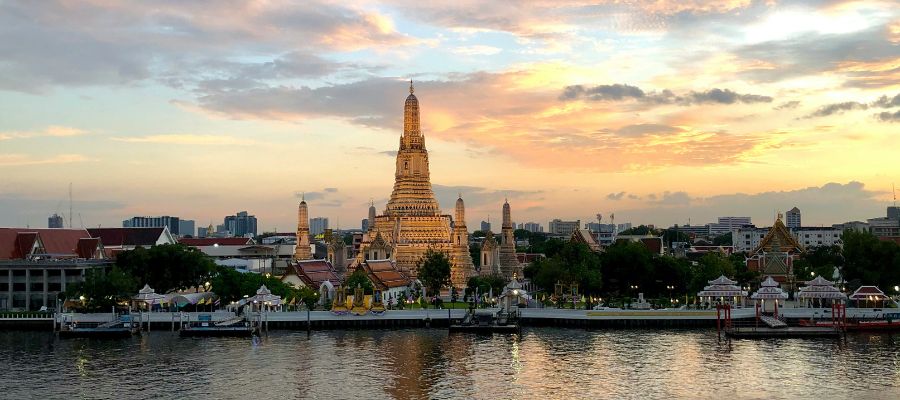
53	43
645	129
633	196
602	92
389	153
787	105
615	196
889	117
725	96
886	102
837	108
620	92
814	53
671	199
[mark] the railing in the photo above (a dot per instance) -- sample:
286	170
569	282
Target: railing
26	316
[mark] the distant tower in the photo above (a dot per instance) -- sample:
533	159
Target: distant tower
371	215
55	221
302	250
461	259
509	263
792	218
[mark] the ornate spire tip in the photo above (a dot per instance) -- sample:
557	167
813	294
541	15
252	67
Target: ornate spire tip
411	89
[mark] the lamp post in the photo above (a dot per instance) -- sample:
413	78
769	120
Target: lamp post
670	287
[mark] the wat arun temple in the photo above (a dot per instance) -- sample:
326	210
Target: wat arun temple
412	222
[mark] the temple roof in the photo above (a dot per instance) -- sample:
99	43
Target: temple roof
769	289
820	288
778	239
384	274
17	243
868	293
313	272
722	287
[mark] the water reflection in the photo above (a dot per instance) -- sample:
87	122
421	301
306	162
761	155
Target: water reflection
414	364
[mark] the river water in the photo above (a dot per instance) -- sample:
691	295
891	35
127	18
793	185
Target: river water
543	363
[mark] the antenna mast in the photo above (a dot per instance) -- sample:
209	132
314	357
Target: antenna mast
70	205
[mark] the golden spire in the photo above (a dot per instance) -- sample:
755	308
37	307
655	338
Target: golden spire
411	89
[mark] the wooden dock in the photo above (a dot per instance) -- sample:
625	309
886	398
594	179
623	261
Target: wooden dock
782	332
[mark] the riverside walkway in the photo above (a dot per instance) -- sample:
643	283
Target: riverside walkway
606	318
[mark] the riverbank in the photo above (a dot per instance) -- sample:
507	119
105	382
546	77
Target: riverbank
536	317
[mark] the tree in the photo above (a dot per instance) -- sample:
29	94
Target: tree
485	284
711	266
869	261
167	267
521	234
626	264
821	260
722	240
475	253
573	263
434	271
640	230
674	235
308	296
361	279
231	285
102	290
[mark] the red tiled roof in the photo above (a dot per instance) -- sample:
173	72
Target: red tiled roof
24	244
314	272
865	291
384	274
56	242
200	242
87	247
115	237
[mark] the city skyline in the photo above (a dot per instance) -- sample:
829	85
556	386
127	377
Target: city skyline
566	110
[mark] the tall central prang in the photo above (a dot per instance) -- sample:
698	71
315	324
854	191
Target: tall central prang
412	223
412	195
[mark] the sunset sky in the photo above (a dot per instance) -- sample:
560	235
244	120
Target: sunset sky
659	111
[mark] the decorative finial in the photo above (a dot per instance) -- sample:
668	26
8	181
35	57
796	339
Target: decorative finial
302	196
411	89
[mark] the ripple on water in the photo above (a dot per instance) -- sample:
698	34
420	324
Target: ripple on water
542	363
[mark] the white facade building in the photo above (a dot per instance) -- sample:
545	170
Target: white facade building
748	238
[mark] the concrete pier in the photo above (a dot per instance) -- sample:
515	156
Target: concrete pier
319	320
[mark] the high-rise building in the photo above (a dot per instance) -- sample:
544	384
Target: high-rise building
563	228
364	224
893	212
186	227
241	224
728	225
792	218
485	226
55	221
154	222
532	227
318	225
203	232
